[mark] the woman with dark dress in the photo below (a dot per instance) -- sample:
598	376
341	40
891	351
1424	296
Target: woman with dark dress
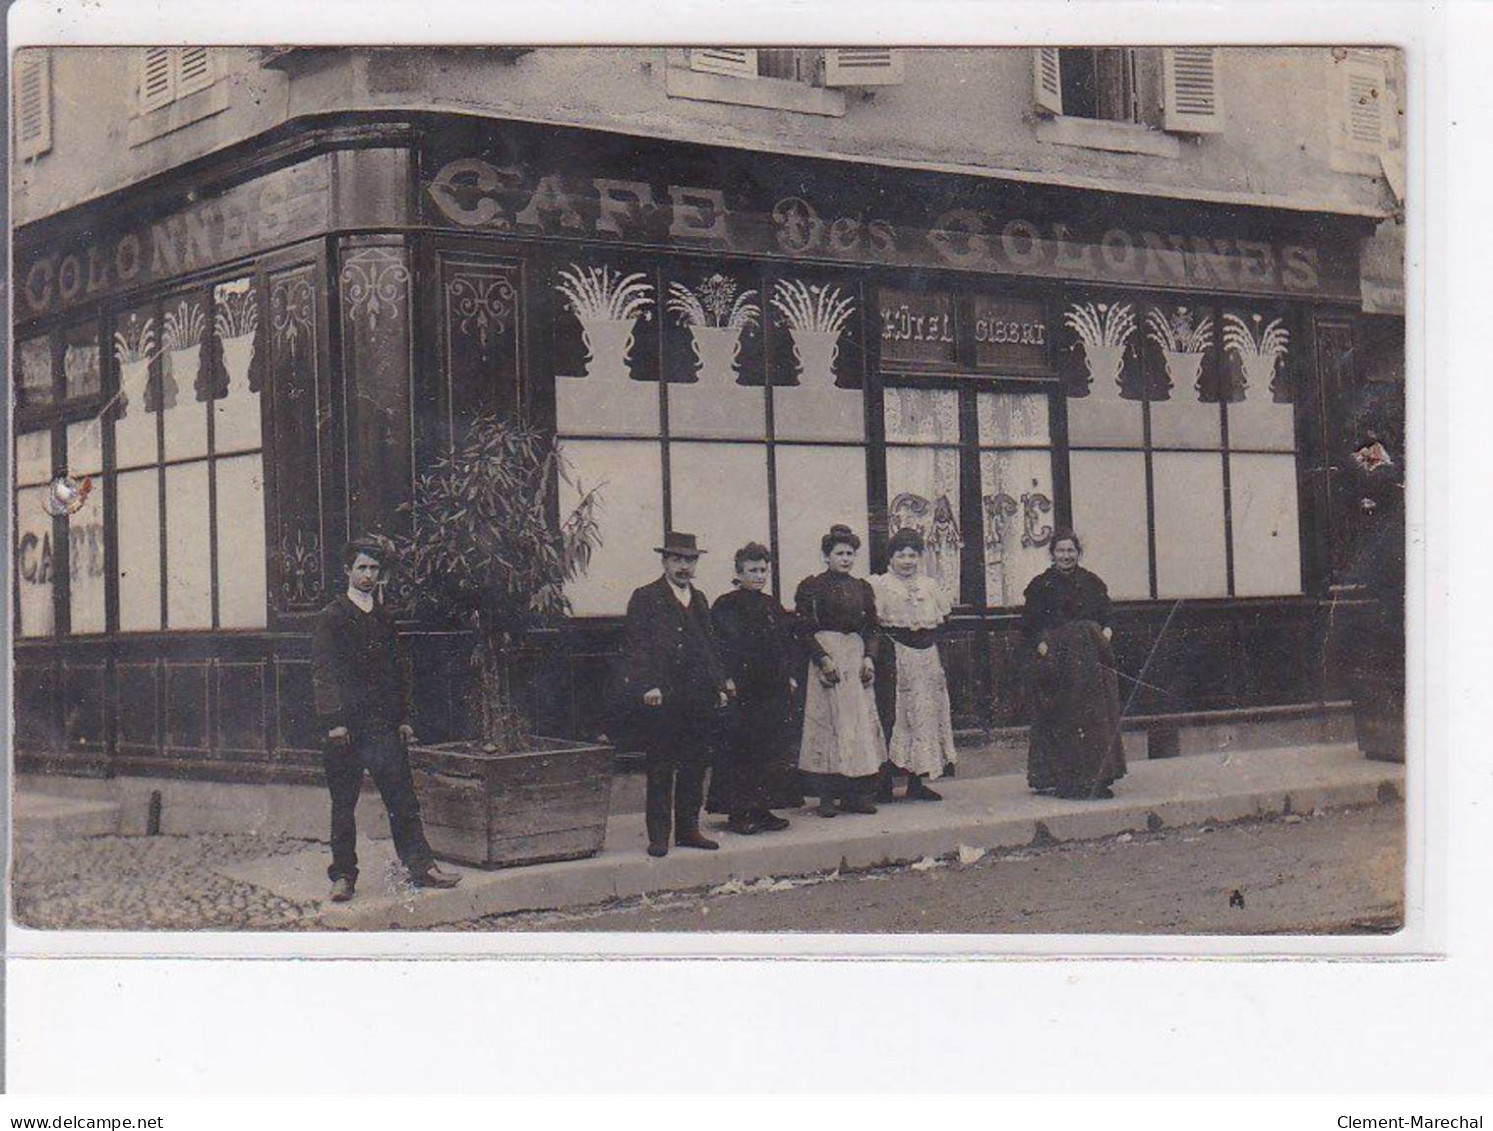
842	744
1066	625
752	772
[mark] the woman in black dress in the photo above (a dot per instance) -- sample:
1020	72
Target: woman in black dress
1066	625
754	771
842	746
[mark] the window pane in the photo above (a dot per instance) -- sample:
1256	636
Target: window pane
139	551
1016	492
188	548
85	448
590	406
1109	515
1267	546
80	361
87	564
923	494
818	410
236	426
34	457
713	357
817	487
1013	418
181	358
1190	556
34	563
719	494
716	406
1257	346
135	342
1102	363
36	372
605	338
929	416
630	475
1259	422
1178	344
241	568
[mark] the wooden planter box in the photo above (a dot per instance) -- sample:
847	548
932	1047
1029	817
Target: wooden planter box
502	810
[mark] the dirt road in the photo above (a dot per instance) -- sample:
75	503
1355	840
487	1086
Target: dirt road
1336	872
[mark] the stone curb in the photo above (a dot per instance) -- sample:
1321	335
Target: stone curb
989	813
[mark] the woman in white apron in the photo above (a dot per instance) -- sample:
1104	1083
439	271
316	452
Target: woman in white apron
912	690
843	747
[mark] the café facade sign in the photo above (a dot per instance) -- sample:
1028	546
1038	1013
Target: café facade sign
760	205
277	208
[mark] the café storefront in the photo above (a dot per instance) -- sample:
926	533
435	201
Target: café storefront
251	356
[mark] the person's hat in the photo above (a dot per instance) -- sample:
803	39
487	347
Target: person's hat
680	545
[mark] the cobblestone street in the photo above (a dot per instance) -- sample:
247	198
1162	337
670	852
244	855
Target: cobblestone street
147	883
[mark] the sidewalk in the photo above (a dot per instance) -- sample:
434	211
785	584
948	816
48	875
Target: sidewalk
992	812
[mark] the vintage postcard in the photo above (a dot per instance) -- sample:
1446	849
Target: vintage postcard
908	493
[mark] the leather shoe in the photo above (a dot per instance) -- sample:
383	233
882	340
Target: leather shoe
744	826
695	840
658	850
827	809
342	890
856	805
921	792
771	822
433	877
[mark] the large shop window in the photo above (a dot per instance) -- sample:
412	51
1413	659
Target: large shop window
35	613
189	462
722	399
938	437
1182	446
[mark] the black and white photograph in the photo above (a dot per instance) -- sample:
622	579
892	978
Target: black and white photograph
851	490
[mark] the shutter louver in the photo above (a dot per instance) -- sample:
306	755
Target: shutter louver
157	78
1364	115
194	70
33	101
738	61
1192	98
1048	80
862	66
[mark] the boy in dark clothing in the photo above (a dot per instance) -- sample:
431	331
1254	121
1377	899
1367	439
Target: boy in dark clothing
364	703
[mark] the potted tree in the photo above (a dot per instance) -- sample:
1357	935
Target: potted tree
484	549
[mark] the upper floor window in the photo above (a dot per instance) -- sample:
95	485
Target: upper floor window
806	80
33	103
168	74
1175	89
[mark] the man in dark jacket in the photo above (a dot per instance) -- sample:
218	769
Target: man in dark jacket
672	678
364	703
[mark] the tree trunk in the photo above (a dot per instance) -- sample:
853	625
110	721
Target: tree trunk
494	688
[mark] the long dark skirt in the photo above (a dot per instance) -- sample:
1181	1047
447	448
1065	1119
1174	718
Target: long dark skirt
1075	741
754	765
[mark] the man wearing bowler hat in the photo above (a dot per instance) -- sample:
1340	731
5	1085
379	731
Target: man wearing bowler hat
673	683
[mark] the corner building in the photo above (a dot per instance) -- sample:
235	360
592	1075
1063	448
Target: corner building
987	293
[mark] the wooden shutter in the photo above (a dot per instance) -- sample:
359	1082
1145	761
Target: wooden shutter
157	78
1047	73
194	70
738	61
1366	104
1191	95
33	100
862	66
